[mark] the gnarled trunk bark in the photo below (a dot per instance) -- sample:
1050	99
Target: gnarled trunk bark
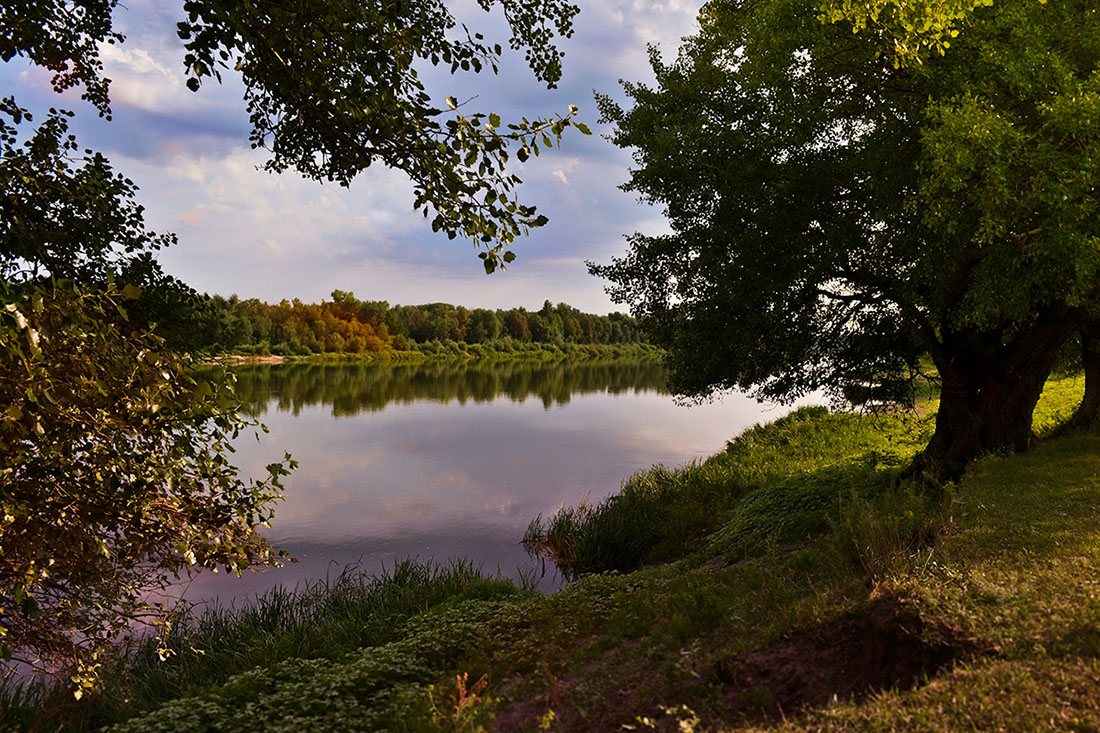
989	391
1090	359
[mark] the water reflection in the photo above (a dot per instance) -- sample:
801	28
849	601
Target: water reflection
354	388
453	460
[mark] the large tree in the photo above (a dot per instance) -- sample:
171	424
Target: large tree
836	216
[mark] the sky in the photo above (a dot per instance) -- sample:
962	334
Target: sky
256	234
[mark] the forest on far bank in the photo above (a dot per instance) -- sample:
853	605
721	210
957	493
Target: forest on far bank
348	325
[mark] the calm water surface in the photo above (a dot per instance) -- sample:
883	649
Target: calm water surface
453	460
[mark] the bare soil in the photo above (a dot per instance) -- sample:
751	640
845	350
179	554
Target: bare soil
886	645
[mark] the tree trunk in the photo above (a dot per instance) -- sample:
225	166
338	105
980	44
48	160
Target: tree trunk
989	391
1090	358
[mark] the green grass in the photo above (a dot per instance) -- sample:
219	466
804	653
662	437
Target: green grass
774	551
323	620
774	484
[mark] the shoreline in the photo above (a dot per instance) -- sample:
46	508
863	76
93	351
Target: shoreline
538	352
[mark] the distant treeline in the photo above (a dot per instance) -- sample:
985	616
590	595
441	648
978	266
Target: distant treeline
347	325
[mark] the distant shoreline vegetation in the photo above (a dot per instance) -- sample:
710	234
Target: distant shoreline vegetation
348	328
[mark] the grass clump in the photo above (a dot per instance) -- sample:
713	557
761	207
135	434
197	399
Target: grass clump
796	509
774	483
385	687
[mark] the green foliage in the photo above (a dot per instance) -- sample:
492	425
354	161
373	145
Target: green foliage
65	212
378	111
352	326
65	38
113	476
326	619
385	687
906	31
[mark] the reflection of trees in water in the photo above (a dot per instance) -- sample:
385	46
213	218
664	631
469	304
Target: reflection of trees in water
353	388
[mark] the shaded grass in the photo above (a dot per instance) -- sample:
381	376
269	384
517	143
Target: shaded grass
1019	570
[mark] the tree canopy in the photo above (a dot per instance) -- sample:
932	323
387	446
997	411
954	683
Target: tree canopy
907	31
349	325
836	217
113	477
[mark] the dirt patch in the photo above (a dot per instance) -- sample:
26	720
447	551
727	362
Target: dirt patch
885	645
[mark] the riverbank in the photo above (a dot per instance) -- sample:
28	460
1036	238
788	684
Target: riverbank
455	351
785	582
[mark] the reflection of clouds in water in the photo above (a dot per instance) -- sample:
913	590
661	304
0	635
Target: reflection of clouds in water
451	479
428	464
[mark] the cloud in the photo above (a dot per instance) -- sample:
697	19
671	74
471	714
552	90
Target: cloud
246	231
141	81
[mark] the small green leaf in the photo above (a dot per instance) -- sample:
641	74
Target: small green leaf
452	102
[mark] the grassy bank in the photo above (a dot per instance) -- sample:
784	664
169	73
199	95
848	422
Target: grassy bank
787	583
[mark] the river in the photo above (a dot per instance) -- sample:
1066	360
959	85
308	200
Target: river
449	460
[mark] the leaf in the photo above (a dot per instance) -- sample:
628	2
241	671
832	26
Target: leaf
451	102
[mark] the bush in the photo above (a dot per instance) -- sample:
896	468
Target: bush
113	476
